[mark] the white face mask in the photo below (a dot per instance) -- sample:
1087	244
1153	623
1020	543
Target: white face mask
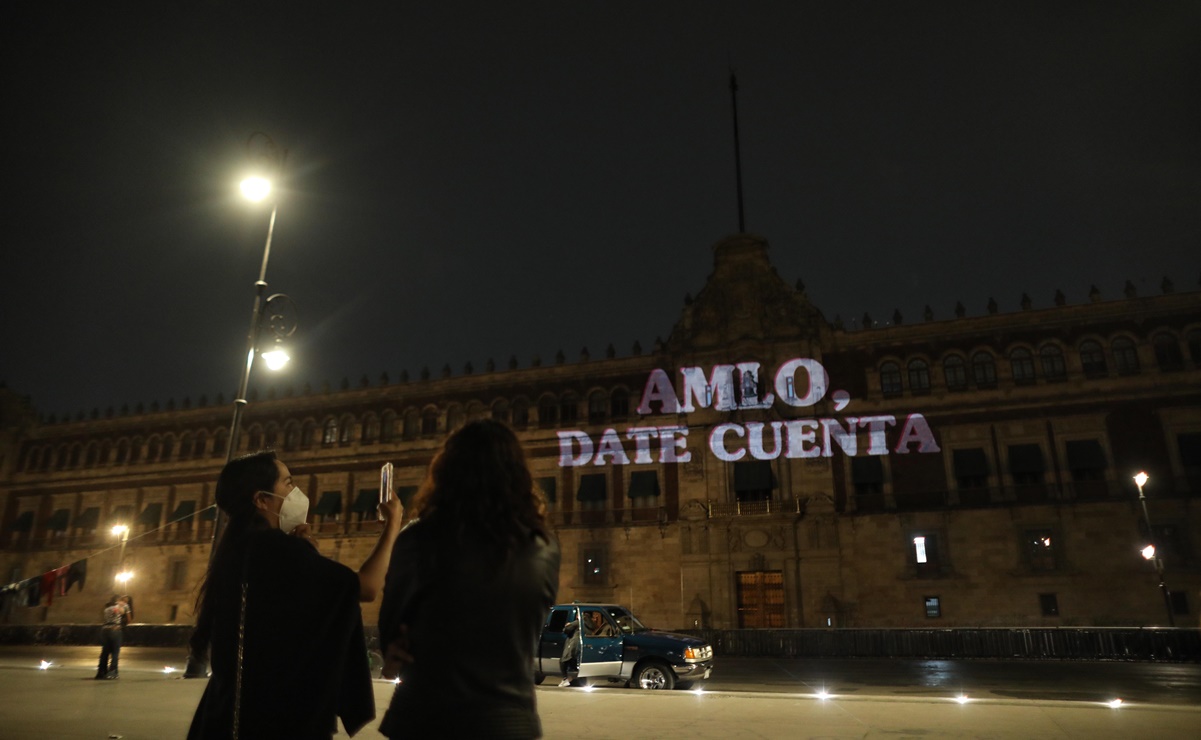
294	511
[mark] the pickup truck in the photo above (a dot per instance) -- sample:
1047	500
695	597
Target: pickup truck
621	649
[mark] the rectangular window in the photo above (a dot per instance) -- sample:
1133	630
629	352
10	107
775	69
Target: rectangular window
760	599
1086	460
971	468
177	575
550	489
1039	549
933	606
753	481
924	554
867	475
1026	464
1048	604
594	565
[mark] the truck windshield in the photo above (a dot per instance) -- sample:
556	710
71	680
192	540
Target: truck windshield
626	621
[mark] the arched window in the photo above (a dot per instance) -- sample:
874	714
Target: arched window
619	404
569	408
1125	356
347	430
76	454
890	379
984	370
598	407
1051	358
255	438
168	448
429	421
954	369
387	426
308	433
412	424
1092	359
370	429
500	410
185	446
122	452
1022	365
521	413
33	458
106	451
135	451
92	456
153	449
220	442
547	412
291	436
919	377
202	441
329	434
271	436
455	417
1167	352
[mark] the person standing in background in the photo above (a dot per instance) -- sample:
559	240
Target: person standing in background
116	615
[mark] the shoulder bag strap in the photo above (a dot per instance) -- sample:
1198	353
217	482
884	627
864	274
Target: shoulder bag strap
241	648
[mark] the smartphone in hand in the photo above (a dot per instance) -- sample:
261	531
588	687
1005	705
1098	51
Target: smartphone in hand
385	483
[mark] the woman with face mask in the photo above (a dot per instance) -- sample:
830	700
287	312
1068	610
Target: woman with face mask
282	621
481	536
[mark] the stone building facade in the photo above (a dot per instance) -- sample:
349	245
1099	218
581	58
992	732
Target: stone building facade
762	467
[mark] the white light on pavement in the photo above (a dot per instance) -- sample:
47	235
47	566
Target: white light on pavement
44	665
962	699
1114	703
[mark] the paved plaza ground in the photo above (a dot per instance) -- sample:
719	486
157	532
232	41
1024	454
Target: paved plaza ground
63	702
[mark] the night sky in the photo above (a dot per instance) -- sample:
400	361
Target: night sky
478	179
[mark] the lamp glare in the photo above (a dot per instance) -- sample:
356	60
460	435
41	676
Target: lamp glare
256	188
276	359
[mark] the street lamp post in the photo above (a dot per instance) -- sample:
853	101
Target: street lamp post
1150	552
122	531
258	187
277	311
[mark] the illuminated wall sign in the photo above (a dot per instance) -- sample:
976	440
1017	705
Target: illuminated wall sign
799	382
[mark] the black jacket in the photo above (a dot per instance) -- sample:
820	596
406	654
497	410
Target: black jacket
473	618
305	660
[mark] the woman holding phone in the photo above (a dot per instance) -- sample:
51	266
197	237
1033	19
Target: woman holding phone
479	538
282	620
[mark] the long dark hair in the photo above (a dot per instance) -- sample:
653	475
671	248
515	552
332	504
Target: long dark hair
239	481
479	486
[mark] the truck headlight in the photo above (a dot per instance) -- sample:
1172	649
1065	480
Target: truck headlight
697	654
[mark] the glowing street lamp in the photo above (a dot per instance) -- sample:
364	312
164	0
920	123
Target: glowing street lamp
121	531
1148	552
277	312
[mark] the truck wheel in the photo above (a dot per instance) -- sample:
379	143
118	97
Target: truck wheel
654	675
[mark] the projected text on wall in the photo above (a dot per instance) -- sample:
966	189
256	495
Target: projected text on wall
800	382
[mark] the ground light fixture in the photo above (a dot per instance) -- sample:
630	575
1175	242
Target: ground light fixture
962	699
168	670
822	694
1113	703
44	665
